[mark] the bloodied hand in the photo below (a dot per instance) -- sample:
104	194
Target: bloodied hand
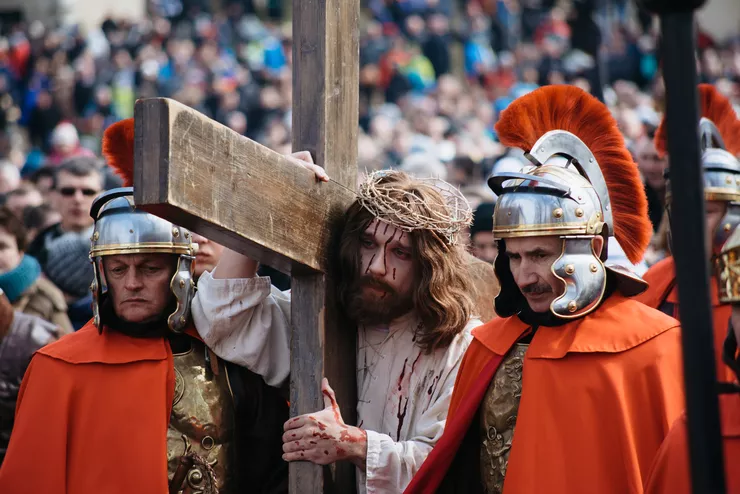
323	437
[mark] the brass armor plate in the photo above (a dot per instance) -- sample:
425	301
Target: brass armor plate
498	419
201	425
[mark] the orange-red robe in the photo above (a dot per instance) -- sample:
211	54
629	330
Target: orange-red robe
92	417
599	395
663	295
671	475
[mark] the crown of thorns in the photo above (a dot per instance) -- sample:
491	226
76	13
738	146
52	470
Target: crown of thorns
406	210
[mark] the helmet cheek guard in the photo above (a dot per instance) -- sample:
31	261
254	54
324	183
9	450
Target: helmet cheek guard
556	199
584	277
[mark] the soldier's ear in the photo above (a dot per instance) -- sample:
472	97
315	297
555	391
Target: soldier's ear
598	244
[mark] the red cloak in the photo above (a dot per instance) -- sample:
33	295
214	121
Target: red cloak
663	295
92	417
670	473
598	397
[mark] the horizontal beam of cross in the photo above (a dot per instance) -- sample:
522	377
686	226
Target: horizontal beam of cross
202	175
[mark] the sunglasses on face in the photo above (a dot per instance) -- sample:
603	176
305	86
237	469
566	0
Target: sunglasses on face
70	191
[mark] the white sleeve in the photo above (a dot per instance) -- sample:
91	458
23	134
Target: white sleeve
247	322
390	465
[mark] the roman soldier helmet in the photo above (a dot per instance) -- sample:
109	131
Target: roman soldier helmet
121	228
582	183
719	132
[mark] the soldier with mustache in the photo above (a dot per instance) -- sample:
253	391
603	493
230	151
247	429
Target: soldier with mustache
575	386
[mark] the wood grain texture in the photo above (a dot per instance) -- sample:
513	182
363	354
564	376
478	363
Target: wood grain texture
325	122
202	175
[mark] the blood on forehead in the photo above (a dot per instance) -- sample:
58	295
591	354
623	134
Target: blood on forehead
384	233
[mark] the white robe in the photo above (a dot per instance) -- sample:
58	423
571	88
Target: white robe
403	393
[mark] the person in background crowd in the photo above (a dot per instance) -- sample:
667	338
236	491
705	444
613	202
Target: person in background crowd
21	280
482	242
652	167
65	145
68	266
76	183
38	218
21	198
43	180
209	252
20	336
10	177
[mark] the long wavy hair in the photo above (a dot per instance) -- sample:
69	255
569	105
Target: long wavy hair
443	289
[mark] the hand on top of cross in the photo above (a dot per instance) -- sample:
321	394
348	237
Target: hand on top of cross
323	437
304	159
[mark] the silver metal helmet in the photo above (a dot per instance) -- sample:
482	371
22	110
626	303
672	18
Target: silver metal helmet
719	133
121	228
563	194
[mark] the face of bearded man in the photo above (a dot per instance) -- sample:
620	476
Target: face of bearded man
383	289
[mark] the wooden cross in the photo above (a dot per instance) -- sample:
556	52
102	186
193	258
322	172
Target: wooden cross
199	174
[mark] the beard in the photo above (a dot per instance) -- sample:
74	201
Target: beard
372	302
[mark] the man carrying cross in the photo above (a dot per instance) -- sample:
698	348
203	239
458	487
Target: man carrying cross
403	280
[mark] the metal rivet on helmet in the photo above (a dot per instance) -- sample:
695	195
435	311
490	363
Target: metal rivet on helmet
558	213
95	236
579	212
570	269
727	227
572	306
593	268
175	232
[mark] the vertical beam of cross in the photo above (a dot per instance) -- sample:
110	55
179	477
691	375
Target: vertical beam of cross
325	120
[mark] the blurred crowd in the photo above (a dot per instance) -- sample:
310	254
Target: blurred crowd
434	76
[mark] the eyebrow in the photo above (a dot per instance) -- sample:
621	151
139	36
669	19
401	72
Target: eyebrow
533	252
396	239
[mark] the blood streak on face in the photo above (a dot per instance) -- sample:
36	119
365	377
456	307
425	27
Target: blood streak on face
386	257
369	264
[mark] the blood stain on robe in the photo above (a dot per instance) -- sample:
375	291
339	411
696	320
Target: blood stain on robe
403	373
401	416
